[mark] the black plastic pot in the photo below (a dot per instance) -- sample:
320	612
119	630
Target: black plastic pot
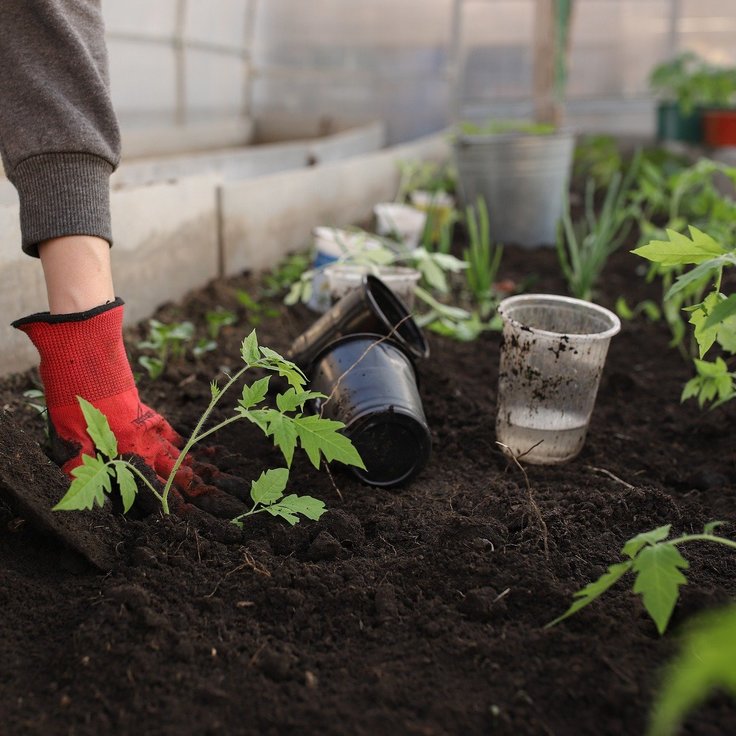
373	308
371	387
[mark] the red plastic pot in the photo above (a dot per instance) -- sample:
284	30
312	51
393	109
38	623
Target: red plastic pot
719	127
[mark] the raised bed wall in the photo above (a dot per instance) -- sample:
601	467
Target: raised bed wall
179	222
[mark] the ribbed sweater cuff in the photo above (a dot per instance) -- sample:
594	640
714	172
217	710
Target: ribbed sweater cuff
63	194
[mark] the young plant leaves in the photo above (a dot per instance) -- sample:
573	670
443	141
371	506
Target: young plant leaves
126	484
592	590
658	580
98	429
289	506
704	663
91	481
680	250
317	434
255	393
657	563
270	486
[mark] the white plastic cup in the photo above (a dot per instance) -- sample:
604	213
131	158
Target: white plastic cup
400	221
552	357
330	245
343	278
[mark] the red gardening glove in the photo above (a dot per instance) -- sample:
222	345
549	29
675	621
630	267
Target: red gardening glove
82	354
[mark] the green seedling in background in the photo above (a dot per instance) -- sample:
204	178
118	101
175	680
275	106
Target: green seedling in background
671	196
713	317
426	176
703	665
168	341
597	157
584	246
256	310
647	307
658	568
482	257
280	279
218	318
286	424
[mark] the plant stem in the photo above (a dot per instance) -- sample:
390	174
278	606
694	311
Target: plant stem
163	501
194	438
703	538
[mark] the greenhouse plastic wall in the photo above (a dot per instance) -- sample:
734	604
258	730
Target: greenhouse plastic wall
193	74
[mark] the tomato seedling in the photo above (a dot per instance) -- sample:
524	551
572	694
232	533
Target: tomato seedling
286	424
657	564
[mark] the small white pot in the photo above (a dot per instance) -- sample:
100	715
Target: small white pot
331	244
400	221
343	278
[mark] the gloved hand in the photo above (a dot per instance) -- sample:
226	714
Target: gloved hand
83	354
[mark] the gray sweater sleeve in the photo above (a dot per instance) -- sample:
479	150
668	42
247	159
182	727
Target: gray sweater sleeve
59	136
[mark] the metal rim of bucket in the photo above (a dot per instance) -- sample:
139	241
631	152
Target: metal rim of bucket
389	308
555	299
465	139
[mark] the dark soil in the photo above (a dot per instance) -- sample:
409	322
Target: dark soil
410	611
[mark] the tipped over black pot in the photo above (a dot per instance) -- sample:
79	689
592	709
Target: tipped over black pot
371	387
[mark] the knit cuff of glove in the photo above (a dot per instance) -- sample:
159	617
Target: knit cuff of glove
63	194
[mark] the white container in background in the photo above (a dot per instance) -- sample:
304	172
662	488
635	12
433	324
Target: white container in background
400	222
343	278
330	245
552	356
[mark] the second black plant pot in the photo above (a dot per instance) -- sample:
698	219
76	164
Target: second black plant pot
372	308
371	387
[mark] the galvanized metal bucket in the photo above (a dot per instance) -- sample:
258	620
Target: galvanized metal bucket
522	177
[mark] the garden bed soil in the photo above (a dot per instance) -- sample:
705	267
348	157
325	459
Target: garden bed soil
410	611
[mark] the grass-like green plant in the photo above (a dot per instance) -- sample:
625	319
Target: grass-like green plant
703	664
167	341
483	258
713	317
584	247
657	565
286	424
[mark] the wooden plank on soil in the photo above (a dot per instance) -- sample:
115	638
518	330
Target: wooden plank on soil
32	484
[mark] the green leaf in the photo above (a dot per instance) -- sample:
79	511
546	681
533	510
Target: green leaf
318	435
285	368
696	277
249	349
98	429
593	590
622	309
215	390
723	310
291	505
270	486
283	431
154	366
126	484
681	250
658	580
291	400
705	663
91	481
255	393
632	547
